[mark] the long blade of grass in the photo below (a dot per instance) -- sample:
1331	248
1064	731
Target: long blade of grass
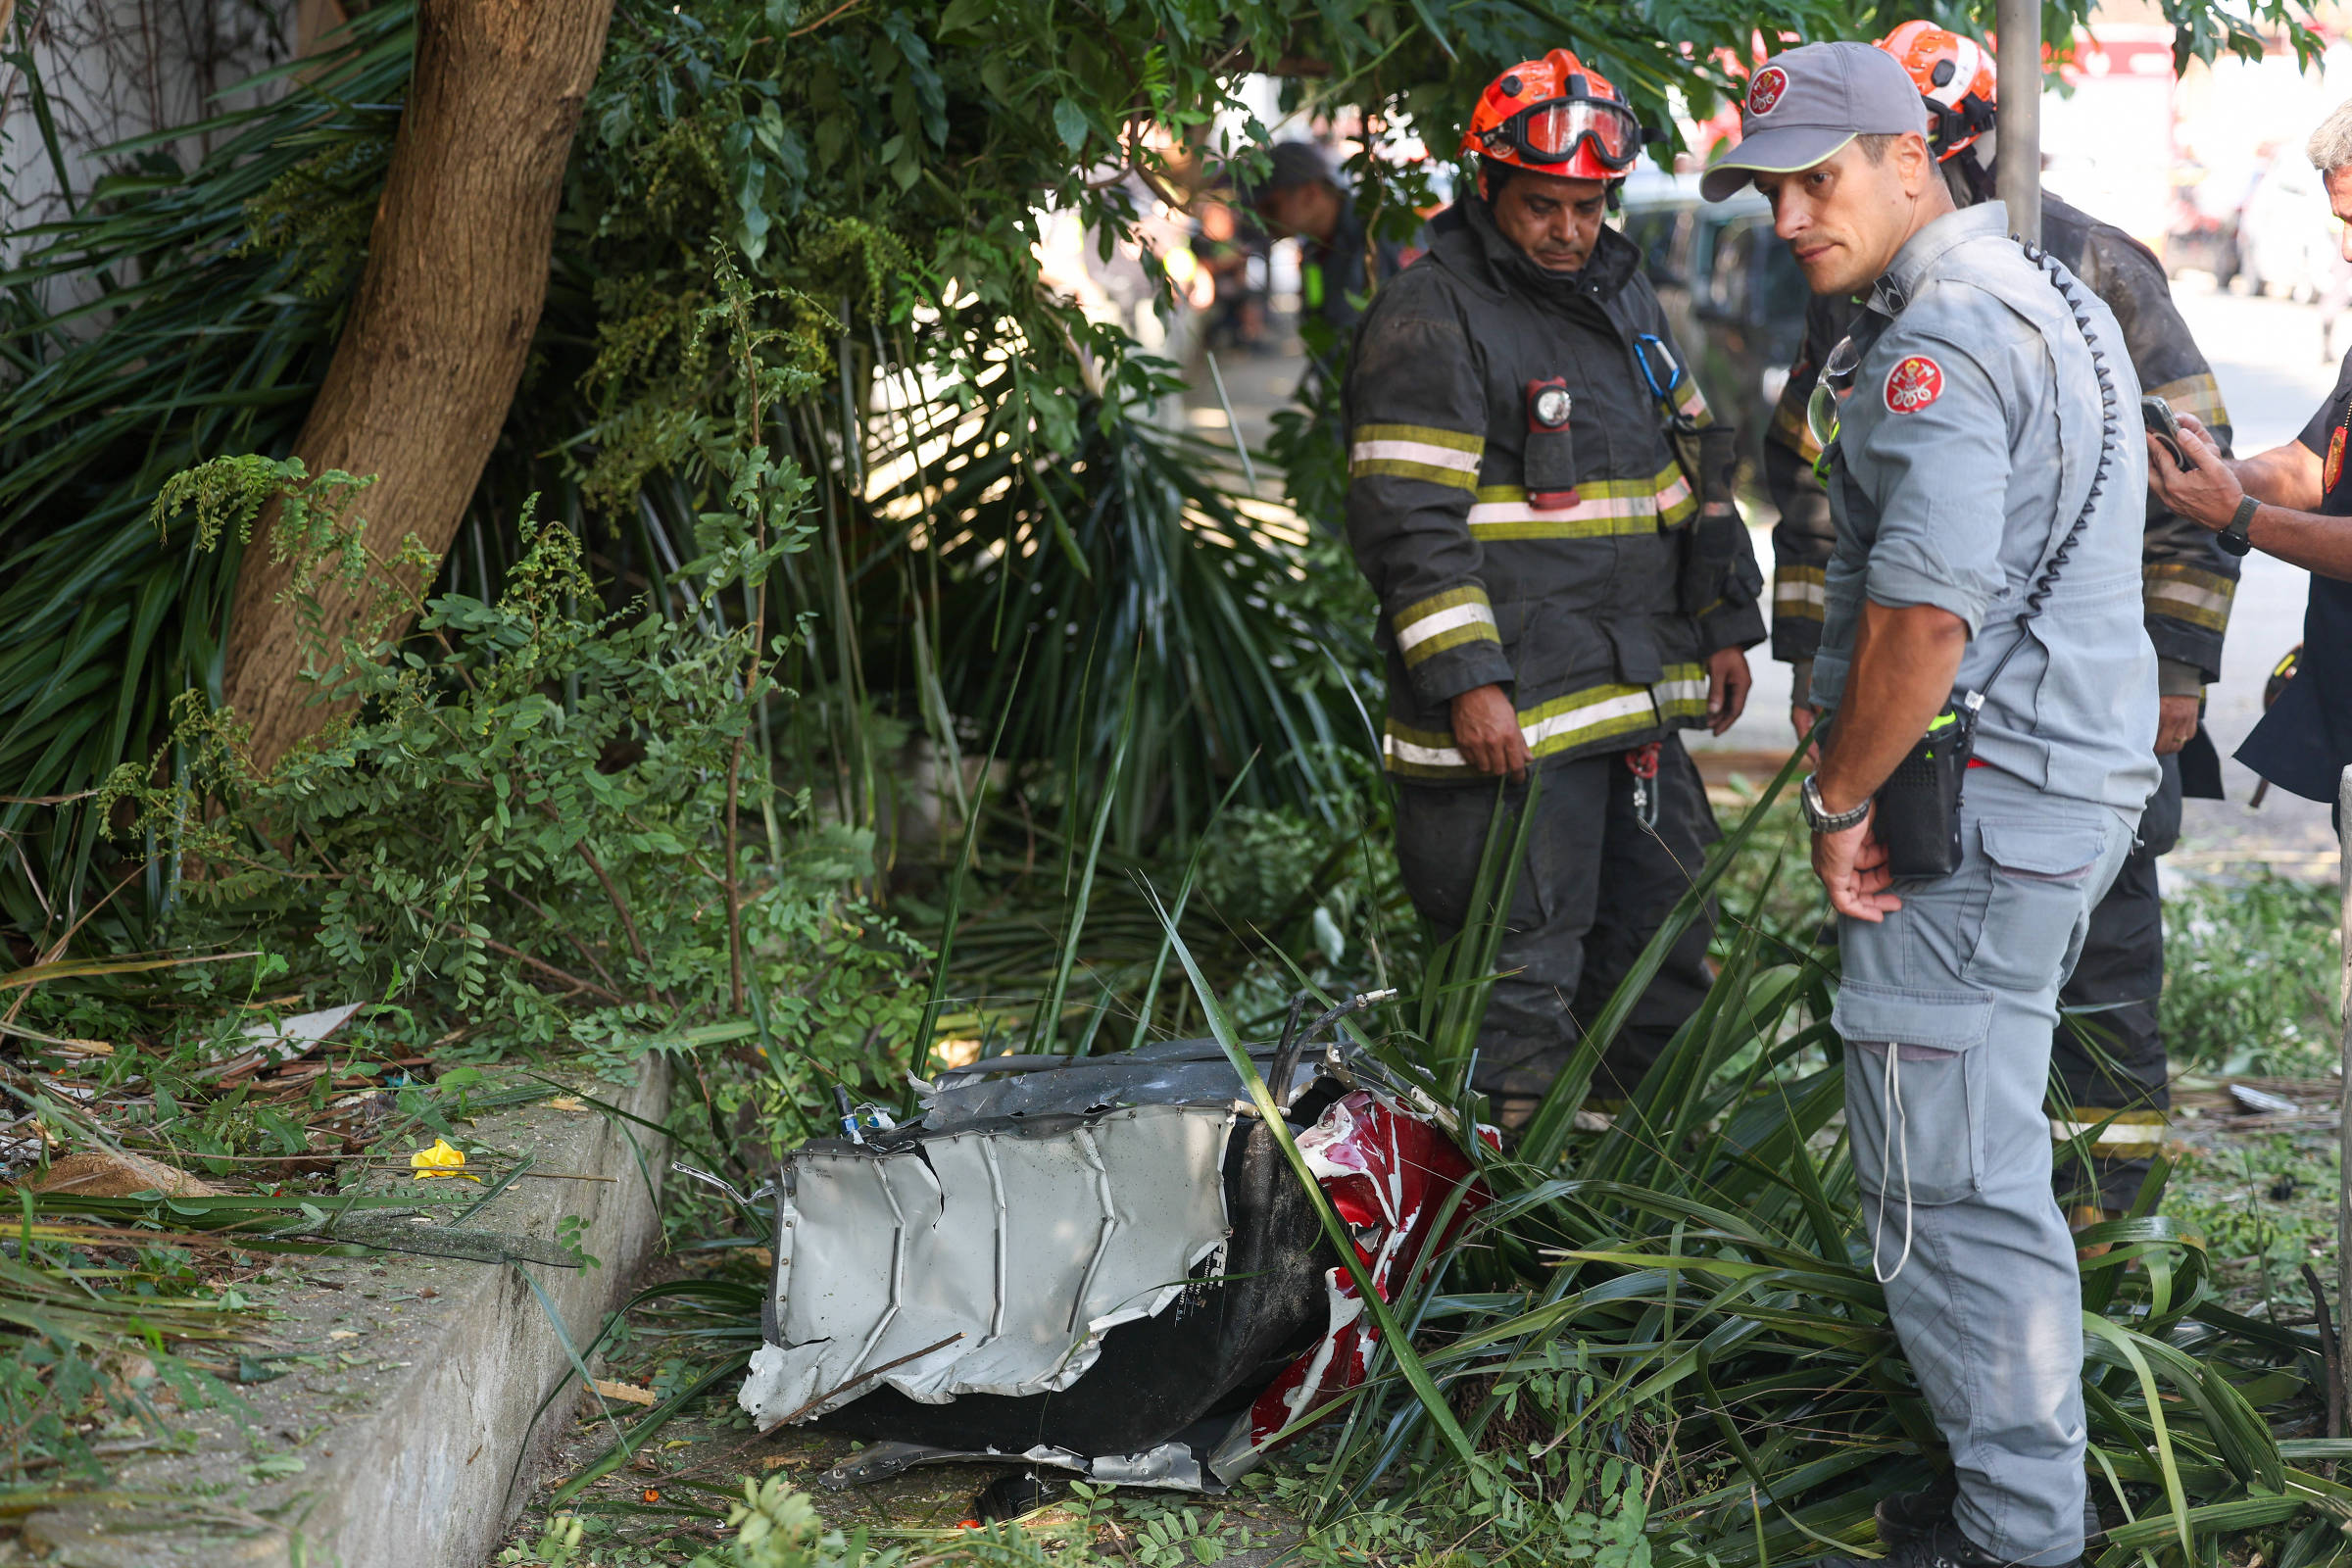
1391	1334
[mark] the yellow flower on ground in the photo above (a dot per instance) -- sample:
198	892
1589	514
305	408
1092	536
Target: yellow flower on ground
440	1161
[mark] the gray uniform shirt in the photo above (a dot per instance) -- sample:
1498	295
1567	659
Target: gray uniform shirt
1965	450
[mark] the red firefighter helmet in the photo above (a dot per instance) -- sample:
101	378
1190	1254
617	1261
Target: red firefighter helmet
1954	74
1555	116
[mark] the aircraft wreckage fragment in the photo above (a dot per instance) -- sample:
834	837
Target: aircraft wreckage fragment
1103	1265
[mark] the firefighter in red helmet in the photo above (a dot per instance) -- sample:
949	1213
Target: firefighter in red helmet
2107	1053
1543	502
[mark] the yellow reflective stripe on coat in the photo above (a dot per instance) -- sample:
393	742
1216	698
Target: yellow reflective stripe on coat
1603	507
2187	593
2200	395
1801	592
1792	429
1560	725
1416	451
1430	626
1691	404
2113	1134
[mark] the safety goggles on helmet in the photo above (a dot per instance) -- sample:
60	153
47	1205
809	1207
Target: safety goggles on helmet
1551	131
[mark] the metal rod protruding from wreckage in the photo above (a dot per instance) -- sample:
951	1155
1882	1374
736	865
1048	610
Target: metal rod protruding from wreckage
2017	162
1295	1042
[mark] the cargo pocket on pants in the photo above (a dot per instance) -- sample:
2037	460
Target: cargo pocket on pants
1913	1088
2040	892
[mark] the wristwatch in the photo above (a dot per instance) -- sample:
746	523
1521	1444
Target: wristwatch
2233	538
1819	819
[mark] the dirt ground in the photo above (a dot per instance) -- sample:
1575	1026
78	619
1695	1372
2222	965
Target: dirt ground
670	1502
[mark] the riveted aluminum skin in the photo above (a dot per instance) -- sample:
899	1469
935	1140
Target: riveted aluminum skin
1017	1246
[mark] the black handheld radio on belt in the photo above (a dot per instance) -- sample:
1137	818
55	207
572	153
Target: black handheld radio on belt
1919	805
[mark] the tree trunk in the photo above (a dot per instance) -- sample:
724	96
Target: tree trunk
435	343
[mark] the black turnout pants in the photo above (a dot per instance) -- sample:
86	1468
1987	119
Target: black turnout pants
1594	888
2111	1087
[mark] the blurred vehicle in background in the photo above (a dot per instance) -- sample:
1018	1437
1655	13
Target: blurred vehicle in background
1734	294
2285	239
2202	235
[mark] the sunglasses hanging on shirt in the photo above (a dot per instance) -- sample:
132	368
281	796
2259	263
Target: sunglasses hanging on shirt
1833	387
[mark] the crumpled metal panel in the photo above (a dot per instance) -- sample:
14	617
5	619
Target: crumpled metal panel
1017	1243
1172	1072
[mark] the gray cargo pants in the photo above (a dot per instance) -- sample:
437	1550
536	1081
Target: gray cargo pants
1954	1154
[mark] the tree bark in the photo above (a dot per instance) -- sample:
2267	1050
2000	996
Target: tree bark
447	303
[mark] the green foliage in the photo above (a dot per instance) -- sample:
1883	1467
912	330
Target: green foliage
1769	888
2266	1207
1689	1295
529	830
2250	973
209	345
777	1527
1278	897
321	210
1588	1508
85	1362
876	175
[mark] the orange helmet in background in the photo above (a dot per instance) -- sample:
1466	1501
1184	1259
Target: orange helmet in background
1954	74
1555	116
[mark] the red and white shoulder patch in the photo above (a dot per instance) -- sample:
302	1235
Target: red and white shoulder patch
1914	383
1764	92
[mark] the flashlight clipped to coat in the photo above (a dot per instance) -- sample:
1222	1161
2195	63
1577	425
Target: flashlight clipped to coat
1550	460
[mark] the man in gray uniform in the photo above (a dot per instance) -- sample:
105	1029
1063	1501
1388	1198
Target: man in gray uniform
2109	1053
1986	571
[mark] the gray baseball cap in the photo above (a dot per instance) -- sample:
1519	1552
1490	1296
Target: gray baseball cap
1295	163
1804	105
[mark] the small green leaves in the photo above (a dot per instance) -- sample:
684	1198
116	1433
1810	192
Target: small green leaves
1070	122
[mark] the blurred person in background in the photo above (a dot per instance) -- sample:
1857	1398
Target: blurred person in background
1305	196
1543	502
2293	502
2116	1084
1233	255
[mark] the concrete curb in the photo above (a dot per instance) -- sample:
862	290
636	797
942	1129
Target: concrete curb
394	1442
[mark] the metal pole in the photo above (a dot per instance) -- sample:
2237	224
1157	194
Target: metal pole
2017	172
2343	1181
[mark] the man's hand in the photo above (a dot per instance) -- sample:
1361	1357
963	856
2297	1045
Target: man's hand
1728	684
1852	867
2211	493
2176	722
1486	730
1802	716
